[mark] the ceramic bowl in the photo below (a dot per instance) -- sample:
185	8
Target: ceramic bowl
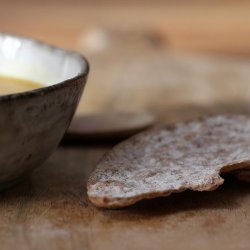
32	123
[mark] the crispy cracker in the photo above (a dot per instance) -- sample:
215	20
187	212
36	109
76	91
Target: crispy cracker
171	159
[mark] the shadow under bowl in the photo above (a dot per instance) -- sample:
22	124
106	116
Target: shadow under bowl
32	123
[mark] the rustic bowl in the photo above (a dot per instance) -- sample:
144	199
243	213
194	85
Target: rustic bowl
32	123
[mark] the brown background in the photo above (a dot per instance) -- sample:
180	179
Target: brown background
190	25
50	209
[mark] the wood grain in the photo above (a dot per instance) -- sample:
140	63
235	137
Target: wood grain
49	210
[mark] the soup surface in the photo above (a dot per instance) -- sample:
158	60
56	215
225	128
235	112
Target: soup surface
9	85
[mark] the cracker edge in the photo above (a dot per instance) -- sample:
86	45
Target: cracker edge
119	202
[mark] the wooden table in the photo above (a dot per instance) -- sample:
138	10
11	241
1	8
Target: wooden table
50	210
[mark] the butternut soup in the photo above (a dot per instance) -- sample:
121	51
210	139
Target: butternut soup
9	85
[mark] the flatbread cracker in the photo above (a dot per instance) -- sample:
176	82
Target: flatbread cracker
112	125
171	159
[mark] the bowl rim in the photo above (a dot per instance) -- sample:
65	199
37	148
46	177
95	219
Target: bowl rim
83	74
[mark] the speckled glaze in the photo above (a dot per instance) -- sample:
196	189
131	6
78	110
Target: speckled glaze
33	123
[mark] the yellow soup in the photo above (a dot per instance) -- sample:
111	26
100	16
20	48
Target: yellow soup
9	85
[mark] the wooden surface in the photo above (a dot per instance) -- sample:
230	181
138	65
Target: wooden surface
50	210
196	25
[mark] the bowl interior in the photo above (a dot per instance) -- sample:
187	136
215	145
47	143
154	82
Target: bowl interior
25	58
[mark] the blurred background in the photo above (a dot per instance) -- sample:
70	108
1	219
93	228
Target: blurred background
173	56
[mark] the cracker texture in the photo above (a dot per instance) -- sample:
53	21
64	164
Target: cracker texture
169	159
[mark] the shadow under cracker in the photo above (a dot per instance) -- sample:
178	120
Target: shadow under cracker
228	196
